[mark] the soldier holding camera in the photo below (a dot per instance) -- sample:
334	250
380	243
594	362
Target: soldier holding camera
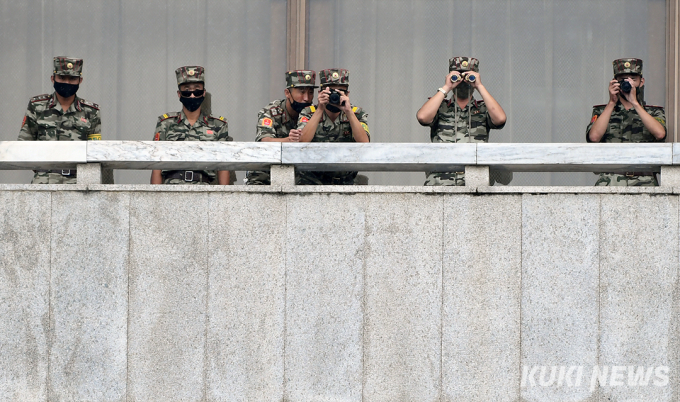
626	118
333	120
463	118
277	122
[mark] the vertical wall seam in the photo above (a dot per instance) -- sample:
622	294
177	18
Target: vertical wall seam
207	299
285	292
441	313
127	327
363	311
599	287
50	329
521	290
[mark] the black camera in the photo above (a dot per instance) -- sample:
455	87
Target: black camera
334	97
625	86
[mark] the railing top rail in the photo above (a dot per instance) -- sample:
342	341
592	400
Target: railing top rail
15	155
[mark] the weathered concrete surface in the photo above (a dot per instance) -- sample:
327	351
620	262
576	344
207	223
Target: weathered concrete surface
168	296
325	246
89	296
403	298
559	305
246	297
362	293
481	304
638	285
24	295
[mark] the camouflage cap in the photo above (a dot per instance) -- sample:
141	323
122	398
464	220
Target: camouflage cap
463	64
627	66
301	78
334	76
68	66
190	74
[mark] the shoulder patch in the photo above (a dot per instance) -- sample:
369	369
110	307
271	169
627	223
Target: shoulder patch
90	104
312	108
594	119
354	109
167	116
660	120
365	126
42	97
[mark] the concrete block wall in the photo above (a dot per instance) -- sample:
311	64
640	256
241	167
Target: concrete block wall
152	293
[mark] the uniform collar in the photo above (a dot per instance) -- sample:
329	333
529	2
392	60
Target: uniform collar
75	106
201	117
471	103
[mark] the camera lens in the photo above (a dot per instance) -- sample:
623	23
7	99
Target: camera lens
334	98
625	86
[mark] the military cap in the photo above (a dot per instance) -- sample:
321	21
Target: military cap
627	66
68	66
301	78
334	76
190	74
463	64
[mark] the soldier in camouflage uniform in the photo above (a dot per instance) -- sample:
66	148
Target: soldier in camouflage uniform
463	118
191	124
277	122
626	118
61	116
333	123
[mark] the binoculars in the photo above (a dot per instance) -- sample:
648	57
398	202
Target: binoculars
467	77
625	86
334	97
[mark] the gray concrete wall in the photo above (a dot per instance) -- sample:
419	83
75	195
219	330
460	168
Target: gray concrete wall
152	293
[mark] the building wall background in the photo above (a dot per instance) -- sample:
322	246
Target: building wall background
546	62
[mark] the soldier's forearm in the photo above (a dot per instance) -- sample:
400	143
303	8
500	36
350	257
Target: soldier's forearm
496	112
358	131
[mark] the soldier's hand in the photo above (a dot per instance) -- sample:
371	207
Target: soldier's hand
614	91
632	95
448	85
477	81
323	98
294	135
344	102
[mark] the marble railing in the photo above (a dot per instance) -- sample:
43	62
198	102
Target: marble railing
528	157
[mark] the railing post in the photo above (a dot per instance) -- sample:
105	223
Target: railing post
282	175
477	176
670	176
89	173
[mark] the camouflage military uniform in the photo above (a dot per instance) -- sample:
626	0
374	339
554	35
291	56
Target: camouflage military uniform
46	121
626	126
175	127
273	121
339	130
453	124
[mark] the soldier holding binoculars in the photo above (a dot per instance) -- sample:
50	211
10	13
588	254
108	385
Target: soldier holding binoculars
463	118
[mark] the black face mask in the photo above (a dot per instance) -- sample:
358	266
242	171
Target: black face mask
464	90
65	90
298	106
192	104
332	109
